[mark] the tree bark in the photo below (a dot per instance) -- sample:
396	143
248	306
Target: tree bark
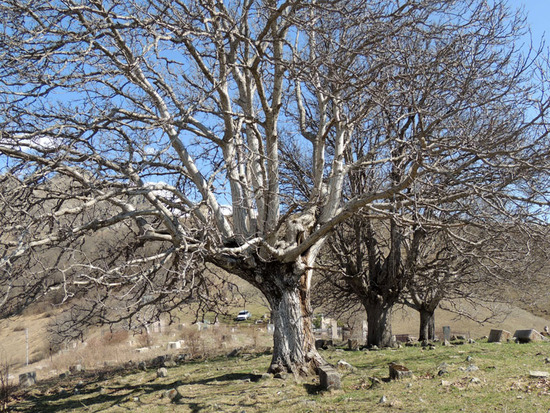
379	324
293	340
427	324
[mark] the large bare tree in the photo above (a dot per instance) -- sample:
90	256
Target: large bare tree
145	118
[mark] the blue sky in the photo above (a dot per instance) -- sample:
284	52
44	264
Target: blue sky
538	17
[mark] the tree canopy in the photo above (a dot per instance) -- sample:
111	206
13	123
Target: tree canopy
159	113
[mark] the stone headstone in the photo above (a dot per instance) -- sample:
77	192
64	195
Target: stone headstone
27	379
447	333
325	323
498	336
334	330
270	328
398	372
365	331
173	394
526	336
174	345
329	378
344	365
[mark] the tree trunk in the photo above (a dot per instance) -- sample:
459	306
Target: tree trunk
379	324
293	340
427	324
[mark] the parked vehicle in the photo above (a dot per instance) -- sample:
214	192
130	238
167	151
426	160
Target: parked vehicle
243	315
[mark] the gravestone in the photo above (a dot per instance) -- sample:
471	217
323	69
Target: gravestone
27	379
174	345
398	372
329	378
364	331
498	336
334	330
526	336
447	333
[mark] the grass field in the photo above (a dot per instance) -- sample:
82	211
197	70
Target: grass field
501	383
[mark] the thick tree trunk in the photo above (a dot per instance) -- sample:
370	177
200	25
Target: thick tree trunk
427	324
379	324
293	340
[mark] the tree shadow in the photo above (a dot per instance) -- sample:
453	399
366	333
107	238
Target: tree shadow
114	395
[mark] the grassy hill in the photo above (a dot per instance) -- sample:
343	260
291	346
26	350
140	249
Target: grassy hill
477	377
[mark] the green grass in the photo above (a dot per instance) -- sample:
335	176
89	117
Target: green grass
232	385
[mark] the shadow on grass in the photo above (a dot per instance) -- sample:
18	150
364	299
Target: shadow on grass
90	397
313	389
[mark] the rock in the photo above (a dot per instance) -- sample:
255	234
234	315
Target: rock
281	376
160	361
170	363
469	358
180	358
27	379
329	378
398	372
162	372
442	372
374	381
527	336
142	366
539	374
547	360
75	369
235	353
266	376
323	344
475	380
471	368
471	341
63	375
446	343
445	383
173	394
344	365
383	400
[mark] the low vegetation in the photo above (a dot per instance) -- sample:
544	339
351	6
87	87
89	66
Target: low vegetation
476	377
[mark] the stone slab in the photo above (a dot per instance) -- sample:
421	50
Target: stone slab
398	372
499	336
527	336
329	378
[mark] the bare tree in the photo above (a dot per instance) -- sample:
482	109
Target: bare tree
450	99
144	118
